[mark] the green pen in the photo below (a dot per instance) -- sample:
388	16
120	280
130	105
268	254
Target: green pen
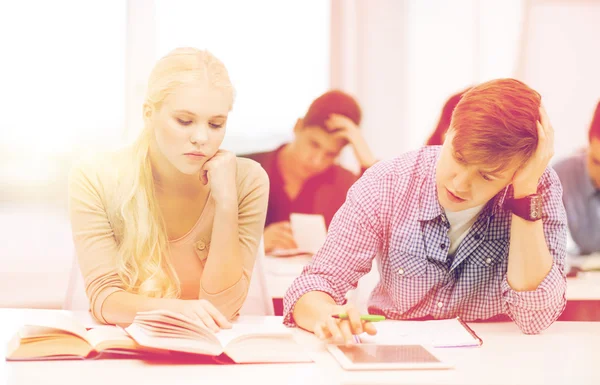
363	317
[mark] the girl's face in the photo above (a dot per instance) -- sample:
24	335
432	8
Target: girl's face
189	125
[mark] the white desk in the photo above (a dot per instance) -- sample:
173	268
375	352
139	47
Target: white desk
566	353
281	272
584	287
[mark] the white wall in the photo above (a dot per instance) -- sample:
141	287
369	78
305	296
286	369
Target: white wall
561	59
403	59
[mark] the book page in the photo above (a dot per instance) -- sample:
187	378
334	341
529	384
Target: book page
157	341
110	337
241	331
51	325
436	333
165	323
170	331
262	342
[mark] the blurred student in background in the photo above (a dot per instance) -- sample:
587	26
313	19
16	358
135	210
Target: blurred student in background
580	177
304	176
438	136
174	221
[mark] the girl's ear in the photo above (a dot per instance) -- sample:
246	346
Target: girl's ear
148	112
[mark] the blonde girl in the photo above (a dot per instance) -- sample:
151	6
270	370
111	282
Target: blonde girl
172	222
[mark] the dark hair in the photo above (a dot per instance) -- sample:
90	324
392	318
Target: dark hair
332	102
595	126
437	136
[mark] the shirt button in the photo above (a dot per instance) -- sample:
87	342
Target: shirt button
477	236
442	246
440	304
400	271
201	246
488	260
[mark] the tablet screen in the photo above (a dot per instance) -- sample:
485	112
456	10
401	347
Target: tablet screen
384	354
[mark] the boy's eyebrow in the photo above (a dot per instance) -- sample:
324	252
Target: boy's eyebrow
495	173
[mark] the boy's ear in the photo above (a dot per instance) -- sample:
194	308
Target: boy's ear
299	125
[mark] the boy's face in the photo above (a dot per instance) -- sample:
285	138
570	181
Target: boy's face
461	185
593	161
315	150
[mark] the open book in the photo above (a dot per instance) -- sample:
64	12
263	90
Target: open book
445	333
264	341
60	336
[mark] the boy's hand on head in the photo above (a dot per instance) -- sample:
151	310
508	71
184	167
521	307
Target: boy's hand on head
527	177
343	127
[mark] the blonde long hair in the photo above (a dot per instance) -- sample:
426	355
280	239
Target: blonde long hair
141	262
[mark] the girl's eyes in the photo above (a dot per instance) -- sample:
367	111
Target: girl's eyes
184	122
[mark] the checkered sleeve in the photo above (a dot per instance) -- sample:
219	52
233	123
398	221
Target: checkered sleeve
533	311
354	237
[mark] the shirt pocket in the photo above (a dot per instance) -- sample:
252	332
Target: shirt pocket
202	247
486	268
406	279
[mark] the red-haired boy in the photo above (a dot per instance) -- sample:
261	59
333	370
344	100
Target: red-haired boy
474	228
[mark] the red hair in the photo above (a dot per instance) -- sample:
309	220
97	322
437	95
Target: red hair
494	123
332	102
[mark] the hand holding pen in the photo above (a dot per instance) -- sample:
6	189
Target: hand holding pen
343	323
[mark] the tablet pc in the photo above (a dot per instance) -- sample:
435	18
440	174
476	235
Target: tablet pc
385	357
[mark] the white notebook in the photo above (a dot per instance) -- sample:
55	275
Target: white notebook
309	231
436	333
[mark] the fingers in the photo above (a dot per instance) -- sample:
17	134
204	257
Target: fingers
283	244
339	119
208	320
544	119
369	327
337	122
280	235
216	315
204	177
321	330
287	239
200	315
346	330
354	320
545	142
541	132
318	330
547	128
336	333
